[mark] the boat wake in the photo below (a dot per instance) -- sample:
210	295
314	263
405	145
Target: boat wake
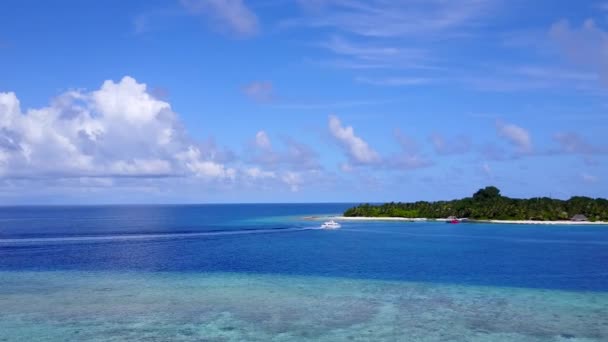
158	236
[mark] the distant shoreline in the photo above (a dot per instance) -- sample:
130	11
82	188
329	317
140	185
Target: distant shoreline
422	219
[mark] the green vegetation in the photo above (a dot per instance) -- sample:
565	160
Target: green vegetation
488	204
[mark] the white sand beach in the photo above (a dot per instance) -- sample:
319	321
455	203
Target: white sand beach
422	219
361	218
576	223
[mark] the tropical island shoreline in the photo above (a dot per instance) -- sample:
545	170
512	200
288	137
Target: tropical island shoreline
424	219
487	205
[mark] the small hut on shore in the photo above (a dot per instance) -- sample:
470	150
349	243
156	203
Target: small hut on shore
579	218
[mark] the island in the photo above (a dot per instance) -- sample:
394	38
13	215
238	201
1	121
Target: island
489	205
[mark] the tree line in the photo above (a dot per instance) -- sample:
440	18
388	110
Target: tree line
489	204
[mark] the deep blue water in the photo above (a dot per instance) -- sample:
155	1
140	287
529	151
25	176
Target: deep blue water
275	239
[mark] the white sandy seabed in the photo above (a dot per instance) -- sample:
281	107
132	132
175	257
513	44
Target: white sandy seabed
140	306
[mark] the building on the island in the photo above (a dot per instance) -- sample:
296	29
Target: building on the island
579	218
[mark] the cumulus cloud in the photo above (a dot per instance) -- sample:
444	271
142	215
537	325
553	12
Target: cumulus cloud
192	159
119	130
515	135
357	149
259	91
231	15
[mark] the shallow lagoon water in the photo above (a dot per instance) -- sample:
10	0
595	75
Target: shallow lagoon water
199	273
64	306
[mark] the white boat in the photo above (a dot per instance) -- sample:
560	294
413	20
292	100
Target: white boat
331	224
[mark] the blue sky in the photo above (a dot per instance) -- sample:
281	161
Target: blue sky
301	101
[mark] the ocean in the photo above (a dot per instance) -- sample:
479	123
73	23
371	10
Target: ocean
264	272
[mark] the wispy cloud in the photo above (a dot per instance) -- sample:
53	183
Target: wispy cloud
603	6
332	105
260	91
151	20
229	15
380	18
588	178
515	135
394	81
487	170
360	153
453	145
262	141
526	78
586	47
293	155
491	151
410	156
369	54
392	35
570	142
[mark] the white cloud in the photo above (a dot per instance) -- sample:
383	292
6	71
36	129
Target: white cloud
391	35
126	101
262	140
140	167
356	148
192	158
119	130
257	173
370	55
380	18
260	91
292	164
231	15
515	135
291	154
293	180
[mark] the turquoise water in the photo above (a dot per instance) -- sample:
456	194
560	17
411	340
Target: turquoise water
263	274
99	306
